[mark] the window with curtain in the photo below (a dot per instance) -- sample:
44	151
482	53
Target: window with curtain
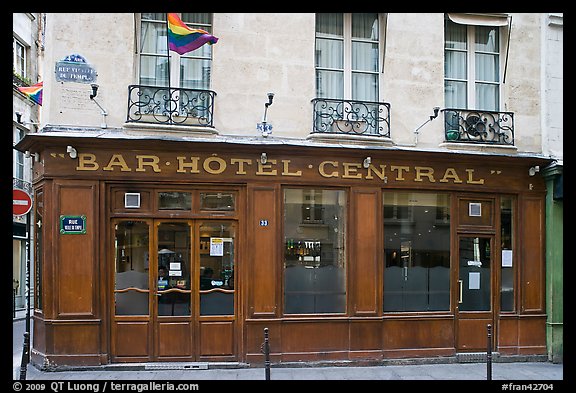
471	66
19	58
347	56
191	70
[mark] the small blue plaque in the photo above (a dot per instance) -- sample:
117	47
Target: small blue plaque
73	225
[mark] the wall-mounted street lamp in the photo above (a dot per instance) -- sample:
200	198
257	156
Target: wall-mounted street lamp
104	112
265	128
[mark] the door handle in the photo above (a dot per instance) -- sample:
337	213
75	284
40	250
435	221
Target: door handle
460	285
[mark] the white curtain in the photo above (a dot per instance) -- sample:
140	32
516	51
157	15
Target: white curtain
365	57
486	64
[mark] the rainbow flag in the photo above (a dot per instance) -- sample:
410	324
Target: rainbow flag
33	92
182	39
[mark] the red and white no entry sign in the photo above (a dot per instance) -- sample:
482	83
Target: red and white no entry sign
21	202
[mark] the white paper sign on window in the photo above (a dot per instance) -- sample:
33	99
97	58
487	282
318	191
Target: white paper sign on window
506	258
216	247
473	280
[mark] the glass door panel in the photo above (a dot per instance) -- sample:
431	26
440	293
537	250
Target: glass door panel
173	273
474	274
217	260
131	289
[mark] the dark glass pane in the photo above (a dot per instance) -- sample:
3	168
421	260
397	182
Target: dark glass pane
132	262
474	274
173	276
314	264
217	256
417	252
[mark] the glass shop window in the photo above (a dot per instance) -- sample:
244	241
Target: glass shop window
217	201
507	266
131	252
217	262
416	252
174	200
314	251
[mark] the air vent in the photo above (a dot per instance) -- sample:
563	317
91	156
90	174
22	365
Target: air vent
132	200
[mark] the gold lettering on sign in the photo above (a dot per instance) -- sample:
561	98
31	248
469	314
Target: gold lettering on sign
399	169
221	165
450	174
470	180
240	162
424	171
380	174
286	170
117	160
215	165
264	168
151	161
182	165
323	173
87	162
350	170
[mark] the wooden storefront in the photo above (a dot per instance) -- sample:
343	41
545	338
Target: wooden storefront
318	244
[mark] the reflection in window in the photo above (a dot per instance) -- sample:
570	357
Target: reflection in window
217	268
314	255
474	274
218	201
173	276
417	252
131	261
174	201
507	272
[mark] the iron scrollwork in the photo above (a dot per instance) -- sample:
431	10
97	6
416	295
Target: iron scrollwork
351	117
487	127
163	105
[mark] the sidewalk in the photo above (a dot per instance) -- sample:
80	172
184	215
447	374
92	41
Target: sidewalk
516	371
447	369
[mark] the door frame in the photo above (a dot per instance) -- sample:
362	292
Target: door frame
471	326
153	326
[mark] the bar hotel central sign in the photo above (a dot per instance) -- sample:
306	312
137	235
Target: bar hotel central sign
238	166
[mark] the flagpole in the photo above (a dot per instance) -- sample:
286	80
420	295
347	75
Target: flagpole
168	54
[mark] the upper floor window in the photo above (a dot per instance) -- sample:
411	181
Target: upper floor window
472	66
191	70
19	58
347	56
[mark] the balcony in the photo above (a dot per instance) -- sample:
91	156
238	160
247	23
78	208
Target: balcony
176	106
486	127
332	116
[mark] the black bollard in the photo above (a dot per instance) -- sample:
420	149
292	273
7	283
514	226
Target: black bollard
489	354
25	357
266	354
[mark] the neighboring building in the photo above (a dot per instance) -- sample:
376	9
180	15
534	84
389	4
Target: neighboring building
26	51
384	202
552	145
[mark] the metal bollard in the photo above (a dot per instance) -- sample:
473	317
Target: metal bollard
489	354
25	356
266	350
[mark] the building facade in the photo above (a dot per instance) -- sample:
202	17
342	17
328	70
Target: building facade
27	50
369	190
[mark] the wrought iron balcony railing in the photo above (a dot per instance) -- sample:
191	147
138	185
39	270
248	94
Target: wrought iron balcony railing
160	105
333	116
471	126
